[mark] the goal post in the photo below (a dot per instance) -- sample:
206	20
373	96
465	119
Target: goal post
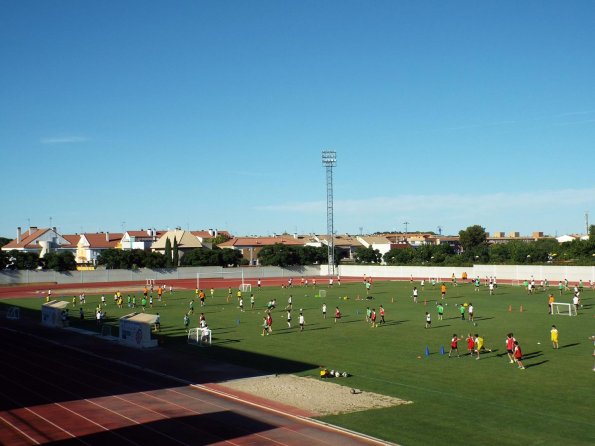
13	313
224	275
106	330
199	337
245	287
563	309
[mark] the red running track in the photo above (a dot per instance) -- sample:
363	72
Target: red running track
52	394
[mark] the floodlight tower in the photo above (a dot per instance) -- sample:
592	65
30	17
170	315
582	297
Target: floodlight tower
329	160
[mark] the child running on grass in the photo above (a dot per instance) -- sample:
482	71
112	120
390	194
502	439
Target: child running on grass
518	355
454	345
470	344
510	340
265	326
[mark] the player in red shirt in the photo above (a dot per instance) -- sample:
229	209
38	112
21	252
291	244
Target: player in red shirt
337	314
382	321
518	355
270	322
510	340
373	317
454	345
470	344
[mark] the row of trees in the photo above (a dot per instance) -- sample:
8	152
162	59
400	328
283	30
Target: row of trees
57	261
283	255
476	249
137	258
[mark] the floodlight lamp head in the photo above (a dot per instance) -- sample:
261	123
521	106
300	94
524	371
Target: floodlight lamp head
329	158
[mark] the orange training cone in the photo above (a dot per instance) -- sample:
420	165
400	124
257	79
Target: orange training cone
510	308
521	309
425	302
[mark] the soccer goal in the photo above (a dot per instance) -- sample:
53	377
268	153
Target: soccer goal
245	288
563	308
322	293
106	331
199	336
150	283
225	275
13	313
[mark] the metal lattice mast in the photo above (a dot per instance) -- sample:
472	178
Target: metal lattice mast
329	160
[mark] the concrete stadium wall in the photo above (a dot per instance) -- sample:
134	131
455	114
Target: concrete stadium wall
141	275
501	272
514	273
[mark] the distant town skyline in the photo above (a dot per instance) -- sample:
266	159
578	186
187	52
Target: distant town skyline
216	231
214	115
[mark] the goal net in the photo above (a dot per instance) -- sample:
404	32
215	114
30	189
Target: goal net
150	283
106	330
231	278
564	309
245	287
322	293
13	313
199	336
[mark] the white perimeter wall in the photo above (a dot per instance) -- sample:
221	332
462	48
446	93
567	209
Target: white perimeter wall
503	273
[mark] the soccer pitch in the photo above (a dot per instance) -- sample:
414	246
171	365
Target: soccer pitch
456	401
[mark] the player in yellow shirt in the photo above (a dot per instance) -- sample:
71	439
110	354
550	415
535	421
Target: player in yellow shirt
549	303
554	336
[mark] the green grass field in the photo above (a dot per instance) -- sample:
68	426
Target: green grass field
456	401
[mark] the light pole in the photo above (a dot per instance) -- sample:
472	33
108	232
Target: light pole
329	160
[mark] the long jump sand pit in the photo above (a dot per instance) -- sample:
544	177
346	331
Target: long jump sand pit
322	397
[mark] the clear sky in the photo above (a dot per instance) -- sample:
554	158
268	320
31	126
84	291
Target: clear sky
213	114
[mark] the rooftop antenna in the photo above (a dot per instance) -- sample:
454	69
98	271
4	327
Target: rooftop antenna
439	230
406	223
51	223
329	160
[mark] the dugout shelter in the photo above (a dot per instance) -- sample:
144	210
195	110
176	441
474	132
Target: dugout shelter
135	330
51	313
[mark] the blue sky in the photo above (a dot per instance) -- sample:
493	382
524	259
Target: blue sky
213	114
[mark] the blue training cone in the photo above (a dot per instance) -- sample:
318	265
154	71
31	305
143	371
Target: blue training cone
442	350
237	321
427	351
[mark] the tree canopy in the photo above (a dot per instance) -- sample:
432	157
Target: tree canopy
212	257
367	255
130	259
283	255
